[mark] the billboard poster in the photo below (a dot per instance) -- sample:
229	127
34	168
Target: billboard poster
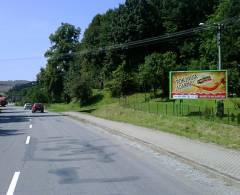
208	84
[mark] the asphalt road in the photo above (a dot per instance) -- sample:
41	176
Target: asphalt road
51	154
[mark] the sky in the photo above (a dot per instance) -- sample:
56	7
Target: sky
26	25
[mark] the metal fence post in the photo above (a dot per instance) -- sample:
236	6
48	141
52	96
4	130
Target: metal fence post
228	117
213	114
199	110
148	106
173	108
177	110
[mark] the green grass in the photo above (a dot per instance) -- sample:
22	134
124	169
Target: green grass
192	108
63	107
194	127
140	98
208	131
99	99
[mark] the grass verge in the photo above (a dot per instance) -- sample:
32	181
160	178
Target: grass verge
207	131
104	106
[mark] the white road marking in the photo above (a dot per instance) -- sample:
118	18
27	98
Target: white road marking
13	183
30	126
28	140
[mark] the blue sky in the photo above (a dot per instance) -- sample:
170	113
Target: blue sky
26	25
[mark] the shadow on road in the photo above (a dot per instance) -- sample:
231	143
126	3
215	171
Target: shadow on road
4	133
13	118
12	115
70	176
88	110
23	118
42	115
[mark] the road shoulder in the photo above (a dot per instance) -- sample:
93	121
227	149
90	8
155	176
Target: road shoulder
216	159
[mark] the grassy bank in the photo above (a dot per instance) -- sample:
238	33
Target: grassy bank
99	100
207	131
104	106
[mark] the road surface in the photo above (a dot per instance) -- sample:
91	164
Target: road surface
51	154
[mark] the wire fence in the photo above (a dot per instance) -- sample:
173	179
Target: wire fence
179	109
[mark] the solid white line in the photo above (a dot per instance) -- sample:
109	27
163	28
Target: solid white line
28	140
30	126
13	183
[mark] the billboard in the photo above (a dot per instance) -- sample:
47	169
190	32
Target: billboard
208	84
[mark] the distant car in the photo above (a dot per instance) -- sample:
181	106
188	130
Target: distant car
27	106
37	107
3	101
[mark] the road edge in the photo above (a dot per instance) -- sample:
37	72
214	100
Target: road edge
211	171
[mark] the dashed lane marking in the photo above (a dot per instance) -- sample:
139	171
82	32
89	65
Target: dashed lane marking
28	139
13	184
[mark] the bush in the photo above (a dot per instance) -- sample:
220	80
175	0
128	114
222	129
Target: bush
236	103
123	82
82	91
238	118
207	112
233	117
153	73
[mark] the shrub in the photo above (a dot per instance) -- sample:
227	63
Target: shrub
207	112
233	117
238	118
123	82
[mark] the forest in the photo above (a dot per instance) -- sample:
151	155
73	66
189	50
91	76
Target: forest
132	49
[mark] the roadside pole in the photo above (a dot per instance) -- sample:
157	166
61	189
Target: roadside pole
220	103
219	29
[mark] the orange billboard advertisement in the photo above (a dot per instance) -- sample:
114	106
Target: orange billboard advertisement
209	84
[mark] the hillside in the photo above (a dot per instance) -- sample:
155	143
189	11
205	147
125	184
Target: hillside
6	85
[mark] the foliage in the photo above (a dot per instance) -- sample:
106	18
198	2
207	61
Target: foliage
81	88
64	44
153	74
123	82
103	59
28	93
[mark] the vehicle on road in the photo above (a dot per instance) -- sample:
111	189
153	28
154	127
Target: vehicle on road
28	106
3	101
37	107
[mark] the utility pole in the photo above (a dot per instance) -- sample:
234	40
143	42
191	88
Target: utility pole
219	29
220	104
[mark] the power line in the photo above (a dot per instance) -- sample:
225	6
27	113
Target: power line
137	43
147	41
21	58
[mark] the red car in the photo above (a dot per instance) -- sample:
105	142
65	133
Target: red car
37	107
3	101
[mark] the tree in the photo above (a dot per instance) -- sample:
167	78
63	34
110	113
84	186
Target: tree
153	74
123	82
80	86
227	13
65	42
